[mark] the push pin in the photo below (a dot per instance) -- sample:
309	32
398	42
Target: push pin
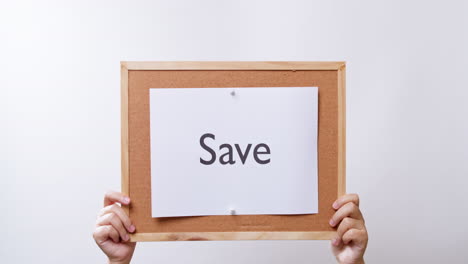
233	93
232	211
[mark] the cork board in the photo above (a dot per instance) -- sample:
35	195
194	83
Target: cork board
136	80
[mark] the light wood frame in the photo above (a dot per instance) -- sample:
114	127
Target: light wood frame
339	66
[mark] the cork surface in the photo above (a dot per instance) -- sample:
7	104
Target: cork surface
139	83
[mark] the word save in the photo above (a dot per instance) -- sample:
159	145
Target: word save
227	156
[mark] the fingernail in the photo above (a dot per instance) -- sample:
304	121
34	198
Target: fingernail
332	223
132	228
335	205
126	200
126	237
334	241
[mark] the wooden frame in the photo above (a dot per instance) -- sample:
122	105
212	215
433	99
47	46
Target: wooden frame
340	67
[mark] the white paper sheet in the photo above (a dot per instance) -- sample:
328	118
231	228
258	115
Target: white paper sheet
285	119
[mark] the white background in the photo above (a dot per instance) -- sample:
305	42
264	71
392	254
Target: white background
406	117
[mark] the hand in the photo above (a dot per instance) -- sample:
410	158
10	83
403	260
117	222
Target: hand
112	228
350	242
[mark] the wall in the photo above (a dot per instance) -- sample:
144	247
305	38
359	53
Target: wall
406	116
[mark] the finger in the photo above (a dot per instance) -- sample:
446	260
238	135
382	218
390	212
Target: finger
103	233
348	223
335	241
100	234
347	210
356	236
112	197
114	234
121	214
352	197
114	220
